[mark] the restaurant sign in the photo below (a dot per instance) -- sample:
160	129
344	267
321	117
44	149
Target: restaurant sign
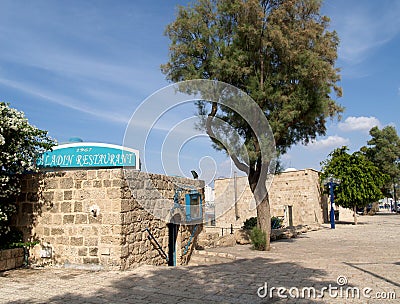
89	155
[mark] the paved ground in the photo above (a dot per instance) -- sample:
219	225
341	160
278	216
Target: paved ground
364	256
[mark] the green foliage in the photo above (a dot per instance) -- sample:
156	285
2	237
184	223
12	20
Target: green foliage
384	151
250	223
20	144
279	52
276	222
360	180
9	240
258	238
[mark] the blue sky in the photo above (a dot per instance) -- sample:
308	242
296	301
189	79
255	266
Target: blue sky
81	68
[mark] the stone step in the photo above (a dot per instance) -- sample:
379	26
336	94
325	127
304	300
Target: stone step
214	254
203	257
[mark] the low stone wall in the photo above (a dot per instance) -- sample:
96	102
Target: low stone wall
11	258
97	217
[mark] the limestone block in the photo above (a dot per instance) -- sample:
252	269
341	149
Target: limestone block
110	240
76	241
91	260
62	239
95	220
242	237
106	183
56	219
58	195
82	251
66	207
91	174
117	173
68	219
226	241
97	184
66	183
81	218
125	251
113	193
87	184
10	264
103	174
90	241
51	183
93	251
126	193
112	219
80	174
57	231
68	195
78	206
106	229
117	229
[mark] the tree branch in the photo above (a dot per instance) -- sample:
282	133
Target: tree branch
241	166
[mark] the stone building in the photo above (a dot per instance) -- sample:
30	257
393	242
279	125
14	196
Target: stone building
294	196
101	218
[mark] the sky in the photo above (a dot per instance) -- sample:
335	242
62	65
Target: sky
82	69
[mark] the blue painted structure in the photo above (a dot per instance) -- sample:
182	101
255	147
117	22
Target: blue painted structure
194	210
89	155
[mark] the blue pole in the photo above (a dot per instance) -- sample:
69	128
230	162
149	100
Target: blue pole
331	186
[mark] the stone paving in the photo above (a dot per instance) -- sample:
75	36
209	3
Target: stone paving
362	256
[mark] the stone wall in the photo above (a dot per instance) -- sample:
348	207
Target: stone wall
96	217
11	258
299	189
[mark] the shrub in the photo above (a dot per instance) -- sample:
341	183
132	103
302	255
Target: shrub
258	239
20	144
11	239
276	222
250	223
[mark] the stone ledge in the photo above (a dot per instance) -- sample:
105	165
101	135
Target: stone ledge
11	258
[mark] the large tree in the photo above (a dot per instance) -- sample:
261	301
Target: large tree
20	143
360	180
280	52
384	151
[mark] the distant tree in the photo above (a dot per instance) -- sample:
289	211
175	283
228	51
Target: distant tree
20	144
383	150
360	180
280	52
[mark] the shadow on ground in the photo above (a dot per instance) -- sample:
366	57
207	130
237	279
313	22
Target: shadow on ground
233	282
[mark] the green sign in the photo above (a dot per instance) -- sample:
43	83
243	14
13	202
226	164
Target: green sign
89	155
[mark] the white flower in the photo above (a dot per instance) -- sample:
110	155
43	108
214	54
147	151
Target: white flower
2	140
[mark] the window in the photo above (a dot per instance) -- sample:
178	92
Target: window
193	206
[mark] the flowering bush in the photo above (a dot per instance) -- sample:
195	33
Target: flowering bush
20	143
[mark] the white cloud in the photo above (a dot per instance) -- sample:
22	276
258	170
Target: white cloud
361	123
361	30
65	101
329	142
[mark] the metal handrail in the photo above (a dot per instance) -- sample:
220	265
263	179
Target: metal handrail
159	246
190	240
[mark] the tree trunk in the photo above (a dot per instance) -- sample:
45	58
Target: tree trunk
257	182
264	220
355	215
